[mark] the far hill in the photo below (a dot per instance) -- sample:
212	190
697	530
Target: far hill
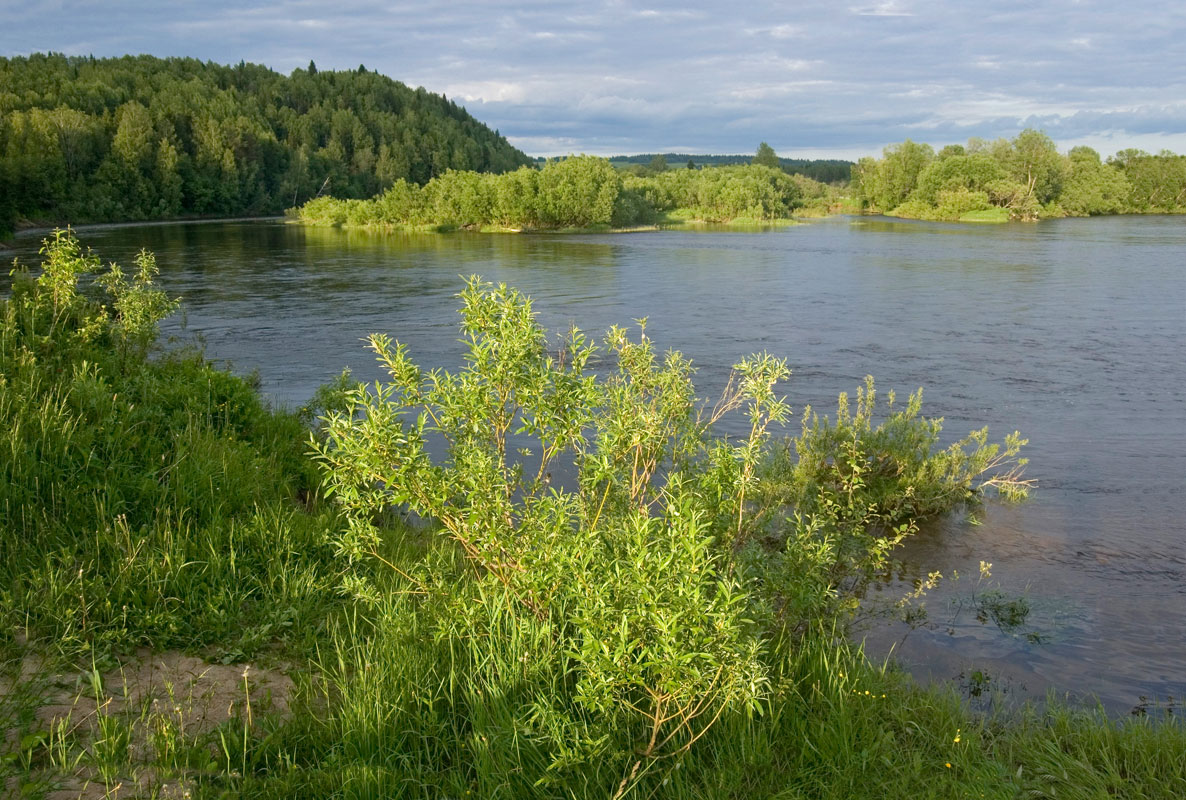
85	139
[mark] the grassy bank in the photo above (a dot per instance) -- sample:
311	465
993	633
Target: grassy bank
201	598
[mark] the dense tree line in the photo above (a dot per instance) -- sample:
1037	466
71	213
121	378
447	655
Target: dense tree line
1022	178
822	170
138	137
575	192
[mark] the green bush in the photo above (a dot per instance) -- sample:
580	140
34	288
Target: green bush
574	192
955	203
623	570
656	579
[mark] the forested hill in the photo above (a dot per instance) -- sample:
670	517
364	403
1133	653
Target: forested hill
824	170
138	137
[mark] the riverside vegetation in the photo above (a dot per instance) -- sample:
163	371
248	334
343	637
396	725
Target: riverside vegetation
579	193
1025	178
666	621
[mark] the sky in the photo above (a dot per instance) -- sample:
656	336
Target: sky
813	79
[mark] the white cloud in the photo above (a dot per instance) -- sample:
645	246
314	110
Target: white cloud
487	92
887	8
783	31
779	90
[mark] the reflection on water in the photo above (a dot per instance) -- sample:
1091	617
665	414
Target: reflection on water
1070	331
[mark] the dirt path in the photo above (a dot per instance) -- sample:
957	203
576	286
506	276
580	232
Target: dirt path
135	730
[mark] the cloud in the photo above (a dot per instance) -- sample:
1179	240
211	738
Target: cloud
888	8
784	31
487	92
564	76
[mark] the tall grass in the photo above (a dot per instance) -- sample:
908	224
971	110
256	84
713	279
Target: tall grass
144	500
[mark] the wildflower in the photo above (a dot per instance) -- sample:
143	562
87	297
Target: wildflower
948	765
957	736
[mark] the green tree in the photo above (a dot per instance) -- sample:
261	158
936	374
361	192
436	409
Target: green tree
458	198
80	141
516	204
1093	187
1034	162
168	180
133	140
1158	181
867	181
7	206
900	167
766	157
82	138
578	191
954	172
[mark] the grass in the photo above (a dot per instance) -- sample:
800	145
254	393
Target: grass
917	210
154	510
690	218
405	720
994	215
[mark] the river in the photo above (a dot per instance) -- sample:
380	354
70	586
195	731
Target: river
1071	331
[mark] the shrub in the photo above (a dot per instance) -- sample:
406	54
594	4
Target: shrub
659	572
953	204
623	568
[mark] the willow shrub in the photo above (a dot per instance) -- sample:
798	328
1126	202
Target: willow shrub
851	490
625	568
660	572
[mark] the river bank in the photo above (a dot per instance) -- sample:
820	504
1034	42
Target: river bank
184	550
676	220
1051	328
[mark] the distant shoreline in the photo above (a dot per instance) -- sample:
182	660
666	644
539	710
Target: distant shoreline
670	225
